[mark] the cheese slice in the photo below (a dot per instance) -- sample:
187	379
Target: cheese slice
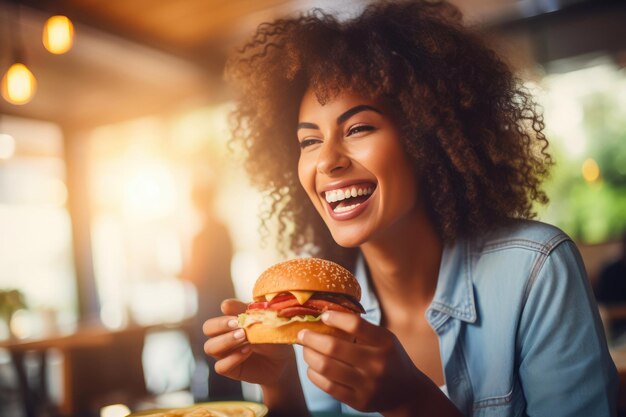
270	296
301	296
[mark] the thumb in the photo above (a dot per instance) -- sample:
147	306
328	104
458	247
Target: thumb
232	307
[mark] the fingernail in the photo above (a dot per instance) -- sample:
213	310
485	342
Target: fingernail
324	317
238	334
232	323
245	349
301	335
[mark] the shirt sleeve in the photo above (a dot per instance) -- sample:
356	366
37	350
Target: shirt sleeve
564	365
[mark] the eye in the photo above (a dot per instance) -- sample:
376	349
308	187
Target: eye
359	129
305	143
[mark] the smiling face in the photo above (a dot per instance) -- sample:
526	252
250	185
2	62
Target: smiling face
354	168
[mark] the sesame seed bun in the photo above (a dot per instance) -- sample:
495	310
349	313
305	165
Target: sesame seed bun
307	274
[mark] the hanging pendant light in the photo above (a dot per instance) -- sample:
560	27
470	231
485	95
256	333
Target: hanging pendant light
18	84
58	34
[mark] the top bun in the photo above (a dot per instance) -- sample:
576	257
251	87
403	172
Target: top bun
307	274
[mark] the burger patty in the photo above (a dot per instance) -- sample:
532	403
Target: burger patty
289	312
286	305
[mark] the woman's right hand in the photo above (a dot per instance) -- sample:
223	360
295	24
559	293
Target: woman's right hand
237	359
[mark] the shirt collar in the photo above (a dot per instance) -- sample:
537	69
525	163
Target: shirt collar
454	296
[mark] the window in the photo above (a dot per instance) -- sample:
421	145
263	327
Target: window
35	228
585	112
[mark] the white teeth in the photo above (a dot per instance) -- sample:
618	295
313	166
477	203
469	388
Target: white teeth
339	209
339	195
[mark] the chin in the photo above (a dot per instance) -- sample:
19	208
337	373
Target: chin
349	237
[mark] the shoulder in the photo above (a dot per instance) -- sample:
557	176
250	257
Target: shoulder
511	258
526	235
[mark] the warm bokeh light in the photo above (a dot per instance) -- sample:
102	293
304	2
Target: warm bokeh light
7	146
113	316
22	324
590	170
58	34
18	84
56	192
115	410
150	192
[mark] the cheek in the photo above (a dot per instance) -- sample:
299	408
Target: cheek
399	174
306	176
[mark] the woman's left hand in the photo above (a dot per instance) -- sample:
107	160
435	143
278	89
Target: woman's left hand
373	373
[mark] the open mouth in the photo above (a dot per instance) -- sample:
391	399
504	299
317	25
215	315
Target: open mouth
349	198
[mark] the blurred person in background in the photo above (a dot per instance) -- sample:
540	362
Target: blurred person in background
610	291
208	268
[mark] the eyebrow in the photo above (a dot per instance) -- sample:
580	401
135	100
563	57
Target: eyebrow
342	117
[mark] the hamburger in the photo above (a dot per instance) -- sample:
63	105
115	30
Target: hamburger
291	296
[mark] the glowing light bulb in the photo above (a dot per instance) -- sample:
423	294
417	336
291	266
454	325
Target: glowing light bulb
58	34
18	84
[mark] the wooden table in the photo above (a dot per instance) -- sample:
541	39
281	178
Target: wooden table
96	361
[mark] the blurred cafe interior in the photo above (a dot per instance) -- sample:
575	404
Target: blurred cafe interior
117	182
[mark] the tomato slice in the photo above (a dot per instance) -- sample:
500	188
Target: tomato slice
282	297
292	302
258	305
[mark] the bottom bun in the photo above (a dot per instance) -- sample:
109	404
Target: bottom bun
288	334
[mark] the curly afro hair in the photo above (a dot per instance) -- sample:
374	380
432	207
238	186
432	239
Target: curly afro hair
468	124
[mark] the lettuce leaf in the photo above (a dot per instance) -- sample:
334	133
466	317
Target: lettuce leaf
270	318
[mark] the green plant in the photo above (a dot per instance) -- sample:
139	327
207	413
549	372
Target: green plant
10	302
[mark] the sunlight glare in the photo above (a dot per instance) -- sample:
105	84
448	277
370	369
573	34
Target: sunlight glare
150	193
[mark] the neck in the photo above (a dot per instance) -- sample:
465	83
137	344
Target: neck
404	263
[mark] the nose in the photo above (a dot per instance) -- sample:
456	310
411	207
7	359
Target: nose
332	159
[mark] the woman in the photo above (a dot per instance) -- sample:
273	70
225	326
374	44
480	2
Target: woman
399	145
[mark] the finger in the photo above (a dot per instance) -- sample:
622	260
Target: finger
332	346
341	392
333	369
227	365
219	325
221	345
353	324
232	307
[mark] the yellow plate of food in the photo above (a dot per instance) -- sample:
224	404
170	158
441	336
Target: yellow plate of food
211	409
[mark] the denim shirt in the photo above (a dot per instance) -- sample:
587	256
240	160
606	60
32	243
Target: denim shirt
519	331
